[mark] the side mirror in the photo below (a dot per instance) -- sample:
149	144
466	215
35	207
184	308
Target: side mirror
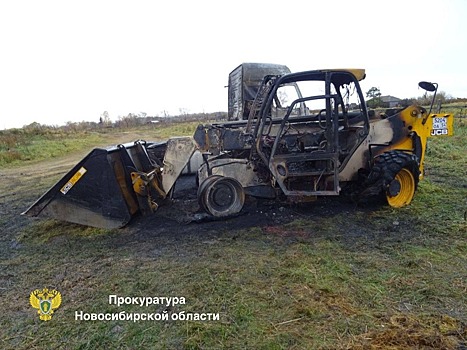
427	86
431	87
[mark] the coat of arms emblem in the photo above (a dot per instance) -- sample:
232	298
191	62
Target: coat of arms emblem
45	302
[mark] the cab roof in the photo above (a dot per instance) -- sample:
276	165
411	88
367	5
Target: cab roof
340	76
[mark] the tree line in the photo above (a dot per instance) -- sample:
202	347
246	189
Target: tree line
375	99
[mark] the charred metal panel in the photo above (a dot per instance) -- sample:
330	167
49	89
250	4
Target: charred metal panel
235	96
241	170
200	137
236	140
244	82
178	154
214	140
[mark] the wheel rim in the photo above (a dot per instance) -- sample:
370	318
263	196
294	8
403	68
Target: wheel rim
202	190
222	197
407	189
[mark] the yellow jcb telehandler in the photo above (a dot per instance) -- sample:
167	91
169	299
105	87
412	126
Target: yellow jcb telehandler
295	135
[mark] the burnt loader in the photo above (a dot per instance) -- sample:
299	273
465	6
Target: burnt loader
296	136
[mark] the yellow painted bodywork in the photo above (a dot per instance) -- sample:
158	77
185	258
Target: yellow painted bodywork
358	73
416	119
396	132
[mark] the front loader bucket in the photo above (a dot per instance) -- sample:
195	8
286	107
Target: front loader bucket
98	191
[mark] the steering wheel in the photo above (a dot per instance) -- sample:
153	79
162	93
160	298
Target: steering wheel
319	116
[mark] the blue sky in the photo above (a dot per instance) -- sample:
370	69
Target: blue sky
66	61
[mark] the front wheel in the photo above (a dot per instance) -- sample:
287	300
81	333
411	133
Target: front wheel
401	190
396	174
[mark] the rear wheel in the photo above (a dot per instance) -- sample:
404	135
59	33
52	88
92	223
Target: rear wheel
202	190
396	174
221	196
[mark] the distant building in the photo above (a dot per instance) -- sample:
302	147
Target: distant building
390	101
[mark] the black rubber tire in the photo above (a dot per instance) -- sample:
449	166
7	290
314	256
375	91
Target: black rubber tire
386	167
388	164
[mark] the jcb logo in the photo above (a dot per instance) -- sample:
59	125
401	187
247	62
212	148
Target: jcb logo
438	132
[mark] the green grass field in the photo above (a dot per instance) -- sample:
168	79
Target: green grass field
20	145
356	278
